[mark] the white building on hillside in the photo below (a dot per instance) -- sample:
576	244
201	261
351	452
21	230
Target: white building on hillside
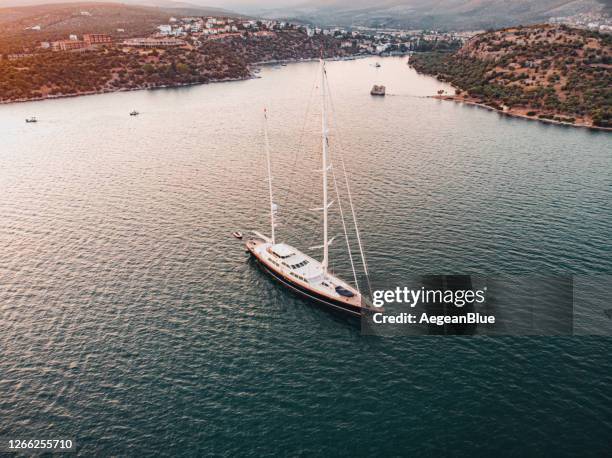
165	29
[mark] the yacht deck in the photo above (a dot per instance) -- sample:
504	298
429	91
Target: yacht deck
299	268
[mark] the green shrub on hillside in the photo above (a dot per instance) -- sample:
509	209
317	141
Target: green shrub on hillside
566	75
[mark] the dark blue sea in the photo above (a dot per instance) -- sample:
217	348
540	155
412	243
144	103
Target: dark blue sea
132	322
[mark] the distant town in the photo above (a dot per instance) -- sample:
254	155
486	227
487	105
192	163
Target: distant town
598	22
192	32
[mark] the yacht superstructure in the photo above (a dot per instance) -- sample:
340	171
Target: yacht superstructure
305	275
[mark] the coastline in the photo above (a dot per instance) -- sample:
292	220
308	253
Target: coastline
252	75
515	114
110	91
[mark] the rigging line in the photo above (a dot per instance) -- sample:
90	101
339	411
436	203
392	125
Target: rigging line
346	237
315	227
344	228
340	143
300	143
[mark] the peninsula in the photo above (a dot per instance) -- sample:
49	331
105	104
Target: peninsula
548	72
75	49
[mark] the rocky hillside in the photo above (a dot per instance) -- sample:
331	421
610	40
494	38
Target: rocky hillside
549	72
115	67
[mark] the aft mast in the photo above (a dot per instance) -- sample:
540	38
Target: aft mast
325	169
267	146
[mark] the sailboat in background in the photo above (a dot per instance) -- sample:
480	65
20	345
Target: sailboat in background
297	271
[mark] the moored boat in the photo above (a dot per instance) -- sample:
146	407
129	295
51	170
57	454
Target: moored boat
31	119
378	90
297	271
306	276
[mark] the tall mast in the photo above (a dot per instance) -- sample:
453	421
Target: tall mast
267	144
324	140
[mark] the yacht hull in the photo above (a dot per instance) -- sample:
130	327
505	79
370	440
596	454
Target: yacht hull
337	306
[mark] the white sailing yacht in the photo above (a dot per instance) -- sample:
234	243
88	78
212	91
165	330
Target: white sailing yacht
297	271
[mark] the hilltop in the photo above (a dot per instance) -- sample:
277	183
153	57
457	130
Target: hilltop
58	20
439	14
545	72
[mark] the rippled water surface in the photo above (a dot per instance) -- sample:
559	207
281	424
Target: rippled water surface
133	322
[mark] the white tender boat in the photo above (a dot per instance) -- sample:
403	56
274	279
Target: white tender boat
296	270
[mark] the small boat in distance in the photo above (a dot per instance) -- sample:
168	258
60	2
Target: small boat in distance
378	90
237	234
31	119
377	65
134	113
